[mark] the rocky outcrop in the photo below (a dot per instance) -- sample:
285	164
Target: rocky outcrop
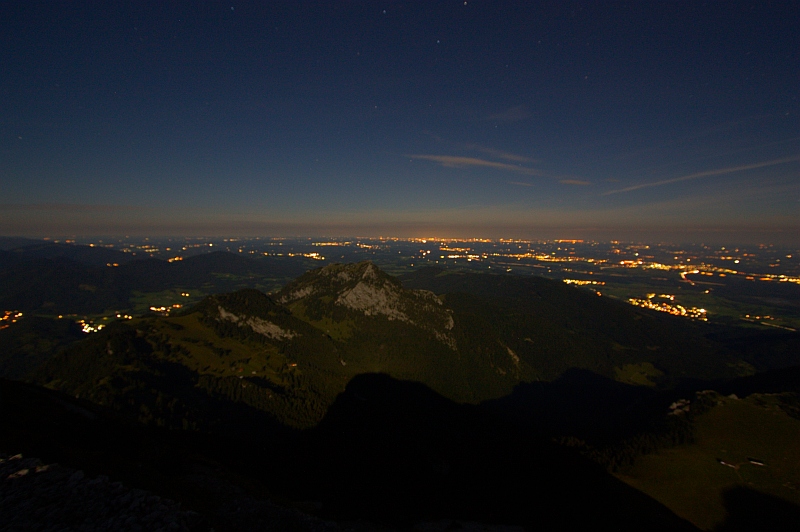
49	497
38	496
364	288
260	326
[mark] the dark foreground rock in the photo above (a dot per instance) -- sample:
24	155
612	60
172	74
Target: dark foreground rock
37	496
49	497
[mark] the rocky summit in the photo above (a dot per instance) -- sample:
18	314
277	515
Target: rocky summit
365	289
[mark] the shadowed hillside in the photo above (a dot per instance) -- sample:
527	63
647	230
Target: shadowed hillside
388	451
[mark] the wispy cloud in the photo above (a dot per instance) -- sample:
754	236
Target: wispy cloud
501	154
450	161
579	182
512	114
498	154
707	173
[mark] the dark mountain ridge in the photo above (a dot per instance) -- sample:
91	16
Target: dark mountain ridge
23	250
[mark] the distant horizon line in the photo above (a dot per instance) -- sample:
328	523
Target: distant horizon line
80	239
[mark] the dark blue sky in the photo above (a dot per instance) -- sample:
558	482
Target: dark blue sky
628	120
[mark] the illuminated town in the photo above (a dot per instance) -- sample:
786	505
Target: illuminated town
676	310
89	326
9	317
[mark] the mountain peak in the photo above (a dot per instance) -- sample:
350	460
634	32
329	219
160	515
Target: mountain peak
364	271
340	278
366	289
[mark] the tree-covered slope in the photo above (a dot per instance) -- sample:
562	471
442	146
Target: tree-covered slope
291	353
31	341
554	327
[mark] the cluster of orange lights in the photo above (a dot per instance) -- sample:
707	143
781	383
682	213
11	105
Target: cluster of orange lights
164	310
676	310
9	317
579	282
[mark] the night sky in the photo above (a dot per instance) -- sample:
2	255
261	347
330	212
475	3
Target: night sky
652	120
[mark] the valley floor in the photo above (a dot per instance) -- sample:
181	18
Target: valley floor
746	451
